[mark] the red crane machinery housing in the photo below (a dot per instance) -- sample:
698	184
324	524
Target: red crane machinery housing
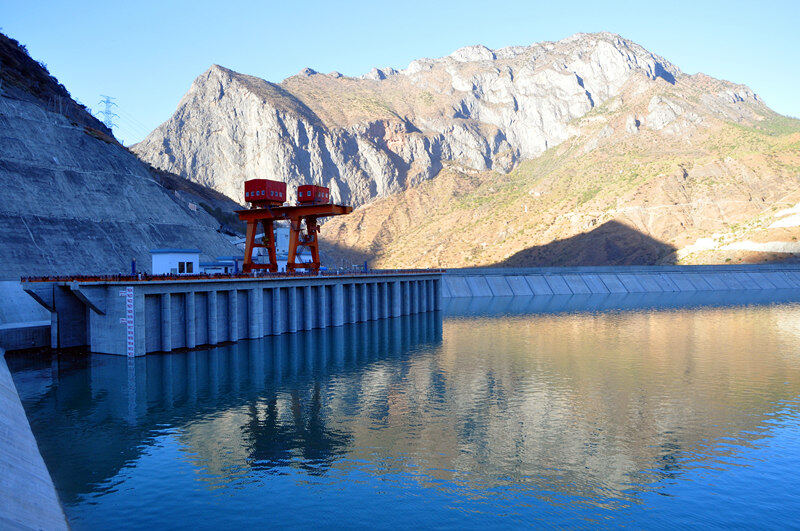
266	200
311	194
263	192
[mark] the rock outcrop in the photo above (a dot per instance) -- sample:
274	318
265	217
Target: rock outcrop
476	109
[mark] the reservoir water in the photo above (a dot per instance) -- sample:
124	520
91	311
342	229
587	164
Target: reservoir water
499	413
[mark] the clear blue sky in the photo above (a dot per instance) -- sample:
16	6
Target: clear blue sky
146	53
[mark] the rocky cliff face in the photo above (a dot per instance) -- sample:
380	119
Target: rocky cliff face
74	201
660	173
489	156
476	109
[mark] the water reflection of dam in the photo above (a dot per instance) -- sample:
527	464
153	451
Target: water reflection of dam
113	407
584	404
252	366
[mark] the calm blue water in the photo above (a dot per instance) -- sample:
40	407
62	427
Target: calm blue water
491	416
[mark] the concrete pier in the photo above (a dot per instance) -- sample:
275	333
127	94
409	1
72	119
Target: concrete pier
134	318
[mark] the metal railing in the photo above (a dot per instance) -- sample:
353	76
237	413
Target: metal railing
146	277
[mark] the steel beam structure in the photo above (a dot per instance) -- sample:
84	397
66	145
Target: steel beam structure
303	229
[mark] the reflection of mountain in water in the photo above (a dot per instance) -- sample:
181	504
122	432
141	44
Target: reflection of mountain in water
583	404
601	402
270	441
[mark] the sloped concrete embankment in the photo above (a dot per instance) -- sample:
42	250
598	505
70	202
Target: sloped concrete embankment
71	203
28	499
509	282
23	322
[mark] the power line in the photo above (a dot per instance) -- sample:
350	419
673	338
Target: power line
131	128
133	119
125	122
107	114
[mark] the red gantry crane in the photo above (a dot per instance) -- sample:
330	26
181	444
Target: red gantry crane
267	200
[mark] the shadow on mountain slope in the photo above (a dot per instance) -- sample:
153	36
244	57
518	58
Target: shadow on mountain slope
612	243
335	255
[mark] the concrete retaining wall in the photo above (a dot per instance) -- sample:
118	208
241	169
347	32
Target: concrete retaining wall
28	499
502	307
500	282
23	323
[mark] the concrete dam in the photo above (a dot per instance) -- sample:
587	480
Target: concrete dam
605	280
135	318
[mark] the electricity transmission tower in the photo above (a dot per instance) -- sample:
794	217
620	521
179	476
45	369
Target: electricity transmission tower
107	114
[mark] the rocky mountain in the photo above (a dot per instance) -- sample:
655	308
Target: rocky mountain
72	199
655	175
369	137
488	156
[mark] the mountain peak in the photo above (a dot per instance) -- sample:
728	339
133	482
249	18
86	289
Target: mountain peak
477	52
476	108
580	54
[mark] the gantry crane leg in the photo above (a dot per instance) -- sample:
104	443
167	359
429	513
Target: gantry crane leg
250	241
269	243
300	238
312	242
294	237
